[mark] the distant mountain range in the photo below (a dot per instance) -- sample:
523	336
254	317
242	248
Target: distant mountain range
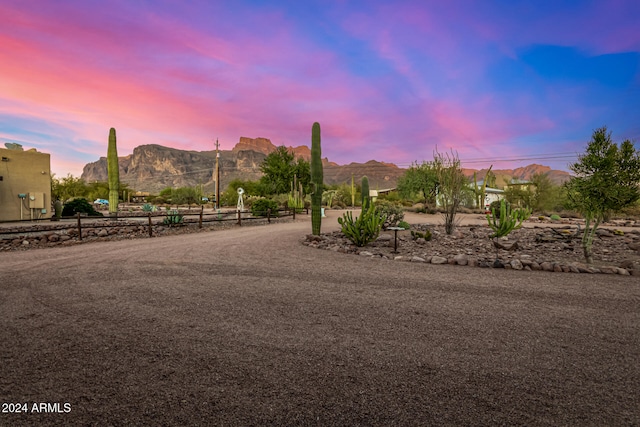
152	168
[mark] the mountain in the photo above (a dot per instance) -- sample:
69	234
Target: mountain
503	176
152	168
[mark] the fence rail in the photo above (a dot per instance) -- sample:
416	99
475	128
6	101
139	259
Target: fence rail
186	218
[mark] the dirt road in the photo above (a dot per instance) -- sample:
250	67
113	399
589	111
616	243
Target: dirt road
249	327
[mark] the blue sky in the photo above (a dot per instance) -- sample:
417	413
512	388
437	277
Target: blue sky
507	83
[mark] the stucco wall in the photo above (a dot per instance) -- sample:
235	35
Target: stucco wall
27	173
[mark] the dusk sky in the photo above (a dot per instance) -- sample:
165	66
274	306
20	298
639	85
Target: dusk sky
507	83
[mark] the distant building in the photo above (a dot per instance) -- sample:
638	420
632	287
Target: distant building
25	184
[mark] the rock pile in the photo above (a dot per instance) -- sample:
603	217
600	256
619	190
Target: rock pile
537	248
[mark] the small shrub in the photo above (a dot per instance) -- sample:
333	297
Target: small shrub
363	229
426	235
76	206
555	217
404	224
259	207
392	211
147	207
542	217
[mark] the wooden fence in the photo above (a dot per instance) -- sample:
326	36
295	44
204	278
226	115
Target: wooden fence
155	219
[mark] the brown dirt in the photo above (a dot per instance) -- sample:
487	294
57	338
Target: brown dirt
249	327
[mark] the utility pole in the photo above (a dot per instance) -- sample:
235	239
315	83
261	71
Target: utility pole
217	175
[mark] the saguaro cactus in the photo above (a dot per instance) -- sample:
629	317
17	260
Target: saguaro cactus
114	173
366	200
316	180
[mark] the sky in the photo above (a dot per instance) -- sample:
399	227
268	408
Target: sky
502	82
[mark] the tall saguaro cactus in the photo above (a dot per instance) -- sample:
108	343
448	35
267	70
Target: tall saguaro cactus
316	180
114	173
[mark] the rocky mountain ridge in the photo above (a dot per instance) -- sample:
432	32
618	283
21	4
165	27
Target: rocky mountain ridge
152	168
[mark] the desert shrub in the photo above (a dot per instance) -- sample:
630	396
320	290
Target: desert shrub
259	207
363	229
426	235
555	217
392	211
81	206
404	224
337	204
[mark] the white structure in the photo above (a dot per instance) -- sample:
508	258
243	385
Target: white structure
240	201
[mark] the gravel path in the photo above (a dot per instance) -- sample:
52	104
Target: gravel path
249	327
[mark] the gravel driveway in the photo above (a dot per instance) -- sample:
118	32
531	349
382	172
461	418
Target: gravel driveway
249	327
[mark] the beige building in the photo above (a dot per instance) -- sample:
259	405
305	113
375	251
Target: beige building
25	184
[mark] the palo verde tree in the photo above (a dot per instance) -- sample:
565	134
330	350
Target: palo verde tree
279	168
419	179
607	179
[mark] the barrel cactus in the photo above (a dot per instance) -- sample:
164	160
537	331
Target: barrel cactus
316	180
113	172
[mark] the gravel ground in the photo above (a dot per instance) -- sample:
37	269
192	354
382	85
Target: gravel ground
249	327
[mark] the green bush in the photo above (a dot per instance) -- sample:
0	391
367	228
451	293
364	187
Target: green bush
81	206
555	217
259	207
404	224
363	229
426	235
392	211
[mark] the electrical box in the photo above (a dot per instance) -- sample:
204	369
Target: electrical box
36	200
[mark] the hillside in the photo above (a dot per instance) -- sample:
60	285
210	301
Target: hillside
154	167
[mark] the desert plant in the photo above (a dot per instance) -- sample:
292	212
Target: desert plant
404	224
451	186
113	172
495	206
606	181
506	220
57	208
555	217
174	217
147	207
316	180
82	206
426	235
260	207
363	229
392	211
480	192
366	199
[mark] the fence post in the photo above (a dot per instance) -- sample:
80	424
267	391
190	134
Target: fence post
239	218
294	212
269	215
79	227
201	211
150	228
